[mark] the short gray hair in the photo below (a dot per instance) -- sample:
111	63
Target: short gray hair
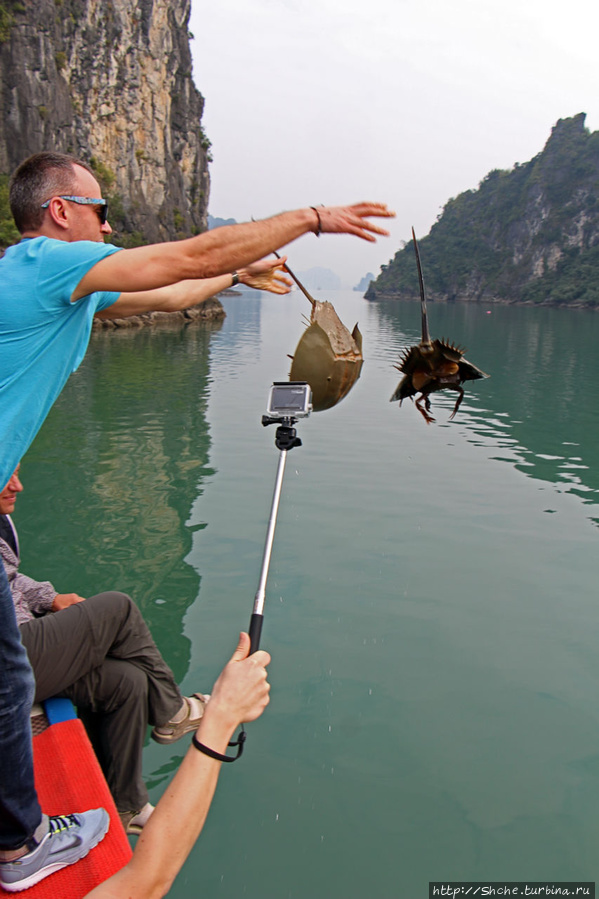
39	178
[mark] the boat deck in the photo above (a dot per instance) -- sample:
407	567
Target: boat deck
69	779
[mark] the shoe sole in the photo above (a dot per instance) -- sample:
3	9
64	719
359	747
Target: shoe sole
166	739
51	868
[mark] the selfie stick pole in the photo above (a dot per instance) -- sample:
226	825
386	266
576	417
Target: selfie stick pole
285	439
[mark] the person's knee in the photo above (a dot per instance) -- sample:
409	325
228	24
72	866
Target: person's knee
113	604
112	598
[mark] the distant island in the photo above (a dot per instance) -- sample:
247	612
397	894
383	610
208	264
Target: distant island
218	223
526	235
319	278
364	282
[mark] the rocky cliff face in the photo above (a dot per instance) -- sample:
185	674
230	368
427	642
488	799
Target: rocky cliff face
110	81
529	235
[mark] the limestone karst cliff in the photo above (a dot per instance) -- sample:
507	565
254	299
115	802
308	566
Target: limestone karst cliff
110	81
527	235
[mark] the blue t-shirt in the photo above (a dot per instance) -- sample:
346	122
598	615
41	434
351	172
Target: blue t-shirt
43	335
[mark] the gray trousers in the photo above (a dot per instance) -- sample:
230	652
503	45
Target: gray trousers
100	654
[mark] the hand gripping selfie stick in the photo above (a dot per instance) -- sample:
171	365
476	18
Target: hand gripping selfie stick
288	401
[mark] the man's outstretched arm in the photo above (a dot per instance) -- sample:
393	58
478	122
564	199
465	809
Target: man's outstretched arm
266	274
225	249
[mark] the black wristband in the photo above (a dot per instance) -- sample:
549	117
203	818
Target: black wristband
218	755
235	278
318	231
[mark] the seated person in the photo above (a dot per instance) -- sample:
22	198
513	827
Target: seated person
99	653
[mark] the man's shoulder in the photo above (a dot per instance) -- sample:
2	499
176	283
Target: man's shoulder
48	248
78	249
28	246
51	267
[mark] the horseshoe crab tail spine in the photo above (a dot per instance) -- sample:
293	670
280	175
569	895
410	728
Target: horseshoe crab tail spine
297	281
426	337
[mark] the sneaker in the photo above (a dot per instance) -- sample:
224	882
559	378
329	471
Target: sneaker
174	730
69	838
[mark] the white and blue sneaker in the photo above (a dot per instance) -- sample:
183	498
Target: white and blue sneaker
69	838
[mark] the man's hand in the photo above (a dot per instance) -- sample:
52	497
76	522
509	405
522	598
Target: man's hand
241	692
266	274
64	600
351	219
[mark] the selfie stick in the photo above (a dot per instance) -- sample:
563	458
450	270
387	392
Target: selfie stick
285	440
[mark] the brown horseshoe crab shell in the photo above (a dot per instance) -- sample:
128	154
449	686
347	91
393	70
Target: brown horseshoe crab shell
328	357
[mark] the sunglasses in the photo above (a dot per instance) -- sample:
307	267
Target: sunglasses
101	205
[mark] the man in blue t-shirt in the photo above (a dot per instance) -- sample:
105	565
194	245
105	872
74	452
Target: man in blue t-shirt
52	284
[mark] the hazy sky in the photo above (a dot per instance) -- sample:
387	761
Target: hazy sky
409	103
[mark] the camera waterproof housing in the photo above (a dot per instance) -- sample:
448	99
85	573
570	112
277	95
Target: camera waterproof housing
289	399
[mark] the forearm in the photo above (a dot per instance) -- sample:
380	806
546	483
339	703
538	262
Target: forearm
174	826
239	694
231	247
173	298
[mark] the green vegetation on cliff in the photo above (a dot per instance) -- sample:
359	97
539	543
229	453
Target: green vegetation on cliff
527	235
8	8
8	231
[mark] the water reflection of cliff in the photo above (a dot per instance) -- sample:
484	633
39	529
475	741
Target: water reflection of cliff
539	409
112	476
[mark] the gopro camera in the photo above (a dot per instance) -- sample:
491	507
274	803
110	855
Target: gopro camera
289	399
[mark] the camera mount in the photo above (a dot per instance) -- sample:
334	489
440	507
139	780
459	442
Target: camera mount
285	437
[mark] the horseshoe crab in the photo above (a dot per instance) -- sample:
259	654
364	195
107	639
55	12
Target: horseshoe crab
433	364
328	357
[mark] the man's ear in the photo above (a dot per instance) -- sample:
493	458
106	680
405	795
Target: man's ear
59	212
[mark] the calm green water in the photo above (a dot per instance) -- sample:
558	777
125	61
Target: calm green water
431	610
